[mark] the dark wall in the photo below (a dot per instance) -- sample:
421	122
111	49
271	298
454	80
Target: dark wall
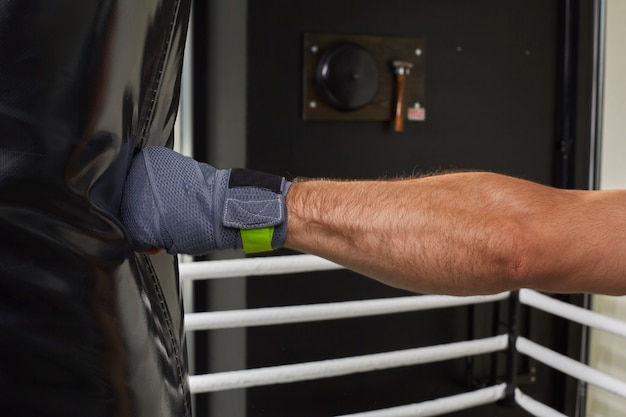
491	71
495	98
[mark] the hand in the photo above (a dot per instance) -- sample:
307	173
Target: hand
174	202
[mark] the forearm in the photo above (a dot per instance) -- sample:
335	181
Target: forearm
466	233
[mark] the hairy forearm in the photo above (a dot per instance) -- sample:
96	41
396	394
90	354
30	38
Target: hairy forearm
465	233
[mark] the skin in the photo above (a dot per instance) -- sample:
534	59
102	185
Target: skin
465	233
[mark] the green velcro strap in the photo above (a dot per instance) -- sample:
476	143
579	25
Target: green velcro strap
257	240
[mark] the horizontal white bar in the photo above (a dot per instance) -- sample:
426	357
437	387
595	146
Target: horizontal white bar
571	367
534	407
327	311
344	366
273	265
572	312
441	406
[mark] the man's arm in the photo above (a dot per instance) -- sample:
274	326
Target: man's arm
465	233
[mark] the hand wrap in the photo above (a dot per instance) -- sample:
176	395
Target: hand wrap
173	202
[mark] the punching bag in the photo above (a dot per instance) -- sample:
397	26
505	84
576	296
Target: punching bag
87	326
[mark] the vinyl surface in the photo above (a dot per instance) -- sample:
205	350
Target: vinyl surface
87	327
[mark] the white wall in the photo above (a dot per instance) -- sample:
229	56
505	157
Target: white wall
608	353
613	167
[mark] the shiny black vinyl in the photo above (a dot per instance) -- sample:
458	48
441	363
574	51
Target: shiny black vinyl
87	327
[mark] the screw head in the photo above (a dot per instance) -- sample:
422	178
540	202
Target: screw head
418	52
314	49
313	104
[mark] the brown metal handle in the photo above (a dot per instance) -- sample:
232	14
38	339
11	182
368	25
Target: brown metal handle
401	69
399	117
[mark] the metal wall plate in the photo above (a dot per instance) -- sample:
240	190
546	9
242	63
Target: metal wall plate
384	50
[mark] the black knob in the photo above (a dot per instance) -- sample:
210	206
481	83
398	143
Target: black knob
347	76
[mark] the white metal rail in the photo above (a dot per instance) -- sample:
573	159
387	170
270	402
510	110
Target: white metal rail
367	363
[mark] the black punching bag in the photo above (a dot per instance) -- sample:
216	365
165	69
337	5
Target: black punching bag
87	327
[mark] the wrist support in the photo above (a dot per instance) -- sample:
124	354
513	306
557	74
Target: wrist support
173	202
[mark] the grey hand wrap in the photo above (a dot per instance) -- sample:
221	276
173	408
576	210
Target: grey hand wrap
173	202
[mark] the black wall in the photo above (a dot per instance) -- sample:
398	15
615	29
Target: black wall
490	105
506	87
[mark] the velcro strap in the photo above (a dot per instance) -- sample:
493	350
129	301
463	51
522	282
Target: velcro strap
241	177
257	240
253	200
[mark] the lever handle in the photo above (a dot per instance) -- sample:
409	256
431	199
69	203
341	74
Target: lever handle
399	117
401	69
